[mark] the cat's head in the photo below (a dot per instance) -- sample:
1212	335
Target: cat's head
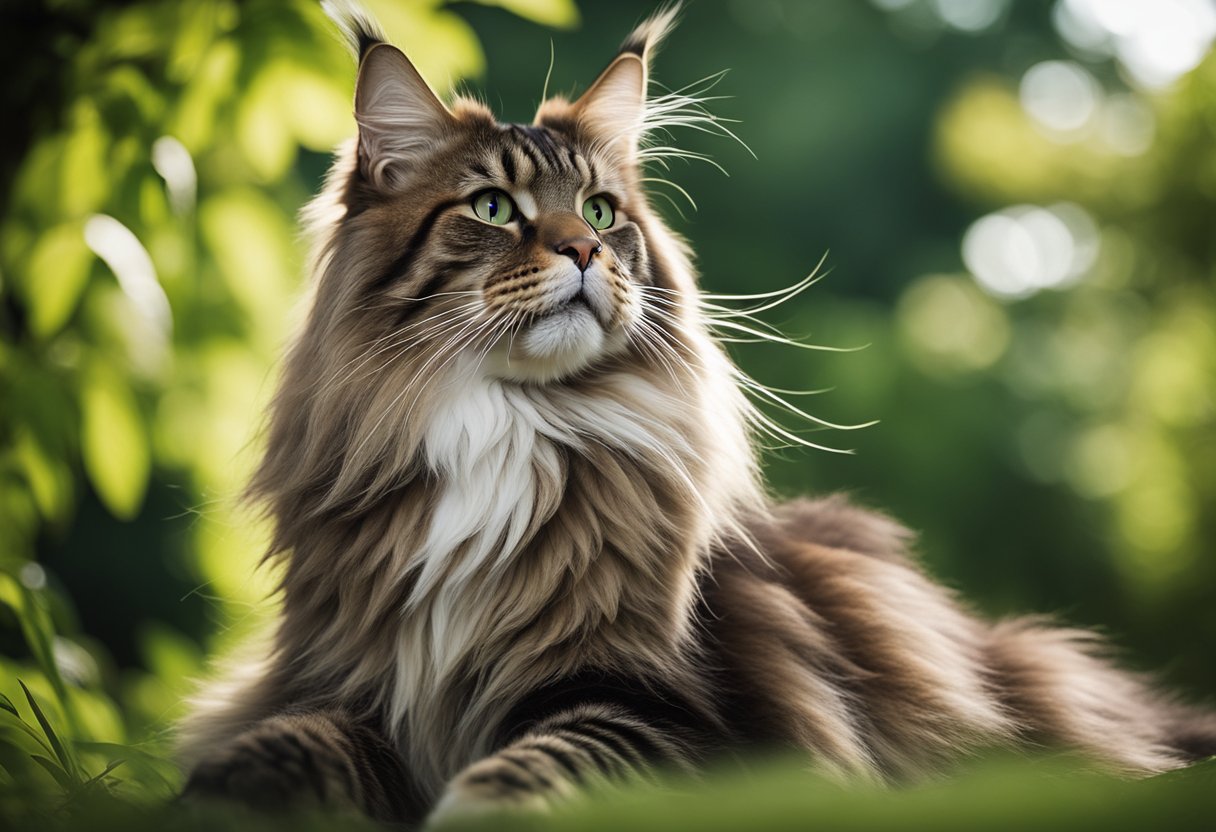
529	248
480	284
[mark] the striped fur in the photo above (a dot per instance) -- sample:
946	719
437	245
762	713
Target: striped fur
523	542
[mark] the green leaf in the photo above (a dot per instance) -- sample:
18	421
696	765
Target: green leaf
55	276
7	705
39	632
61	776
48	478
14	720
562	14
84	172
61	751
114	444
97	778
154	773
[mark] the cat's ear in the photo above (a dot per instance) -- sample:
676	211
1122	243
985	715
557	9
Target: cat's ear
399	117
613	109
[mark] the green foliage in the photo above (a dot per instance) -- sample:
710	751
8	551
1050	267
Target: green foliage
148	266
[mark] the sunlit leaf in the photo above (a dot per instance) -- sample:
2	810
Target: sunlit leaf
48	478
562	14
84	174
55	277
440	44
208	90
114	443
254	246
316	107
265	140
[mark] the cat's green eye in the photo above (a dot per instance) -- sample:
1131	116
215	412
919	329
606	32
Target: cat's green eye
598	212
495	207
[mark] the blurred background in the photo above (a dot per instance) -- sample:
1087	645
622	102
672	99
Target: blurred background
1017	201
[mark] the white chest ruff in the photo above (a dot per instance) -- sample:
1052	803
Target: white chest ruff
494	450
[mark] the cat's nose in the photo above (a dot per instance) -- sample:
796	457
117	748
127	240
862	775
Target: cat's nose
579	249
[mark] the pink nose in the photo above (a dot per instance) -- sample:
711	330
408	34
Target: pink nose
579	249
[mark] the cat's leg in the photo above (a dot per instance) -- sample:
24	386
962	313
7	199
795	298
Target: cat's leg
308	758
573	748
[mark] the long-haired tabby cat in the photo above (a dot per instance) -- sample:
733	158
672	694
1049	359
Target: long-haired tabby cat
524	545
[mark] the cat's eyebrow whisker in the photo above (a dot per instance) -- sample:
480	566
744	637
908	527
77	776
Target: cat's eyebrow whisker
666	196
660	180
659	154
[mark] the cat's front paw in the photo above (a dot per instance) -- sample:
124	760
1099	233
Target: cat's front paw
491	787
270	768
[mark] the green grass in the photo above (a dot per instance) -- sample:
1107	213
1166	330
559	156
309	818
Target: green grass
996	793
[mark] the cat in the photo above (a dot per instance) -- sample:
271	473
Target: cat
525	546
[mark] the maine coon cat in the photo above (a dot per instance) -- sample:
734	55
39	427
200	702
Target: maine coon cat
523	540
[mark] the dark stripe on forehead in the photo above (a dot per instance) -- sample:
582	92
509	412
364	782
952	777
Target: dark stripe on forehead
480	169
401	266
525	148
508	165
543	140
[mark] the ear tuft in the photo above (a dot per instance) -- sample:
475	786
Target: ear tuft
645	40
400	119
613	109
358	28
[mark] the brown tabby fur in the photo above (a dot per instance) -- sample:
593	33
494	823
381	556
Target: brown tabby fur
626	537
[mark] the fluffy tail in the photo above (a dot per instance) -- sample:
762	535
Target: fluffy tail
1062	688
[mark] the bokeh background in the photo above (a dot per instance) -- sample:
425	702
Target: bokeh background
1017	201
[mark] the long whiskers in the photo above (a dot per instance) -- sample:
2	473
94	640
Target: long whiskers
727	323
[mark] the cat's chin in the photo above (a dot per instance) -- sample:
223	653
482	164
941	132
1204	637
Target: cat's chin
557	346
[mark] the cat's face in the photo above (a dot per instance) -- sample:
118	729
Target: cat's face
519	248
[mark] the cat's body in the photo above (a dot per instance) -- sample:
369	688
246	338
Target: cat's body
524	543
